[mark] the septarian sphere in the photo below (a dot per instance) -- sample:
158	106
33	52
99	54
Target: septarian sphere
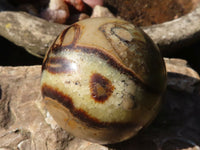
103	80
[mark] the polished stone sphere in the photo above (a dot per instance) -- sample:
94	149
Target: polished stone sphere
103	80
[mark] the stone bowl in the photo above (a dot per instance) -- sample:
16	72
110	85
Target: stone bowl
171	24
176	34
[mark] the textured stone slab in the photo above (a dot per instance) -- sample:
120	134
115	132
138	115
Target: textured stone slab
22	124
32	33
25	125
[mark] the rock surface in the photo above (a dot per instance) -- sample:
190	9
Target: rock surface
25	125
100	11
30	32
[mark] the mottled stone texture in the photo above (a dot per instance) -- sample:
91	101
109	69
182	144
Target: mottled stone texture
30	32
22	124
25	125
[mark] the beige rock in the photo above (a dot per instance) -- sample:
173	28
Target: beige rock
26	125
83	16
100	11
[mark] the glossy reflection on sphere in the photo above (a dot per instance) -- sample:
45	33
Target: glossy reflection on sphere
103	80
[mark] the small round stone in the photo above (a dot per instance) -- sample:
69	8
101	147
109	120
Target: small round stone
103	80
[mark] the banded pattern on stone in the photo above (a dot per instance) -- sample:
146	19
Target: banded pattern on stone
89	81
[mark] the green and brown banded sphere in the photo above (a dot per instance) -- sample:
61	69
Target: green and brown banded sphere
103	80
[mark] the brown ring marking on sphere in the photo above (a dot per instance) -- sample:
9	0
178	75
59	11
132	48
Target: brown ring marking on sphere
113	33
101	88
56	65
117	25
76	34
66	101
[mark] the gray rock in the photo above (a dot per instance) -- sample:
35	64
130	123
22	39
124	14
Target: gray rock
180	76
30	32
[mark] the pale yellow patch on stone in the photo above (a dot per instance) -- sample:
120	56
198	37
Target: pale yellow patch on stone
8	25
